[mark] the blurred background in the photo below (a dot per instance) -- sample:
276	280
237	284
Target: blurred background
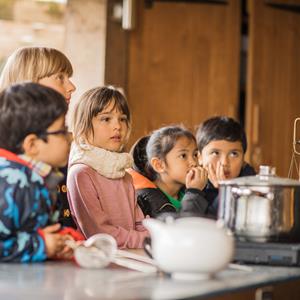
179	61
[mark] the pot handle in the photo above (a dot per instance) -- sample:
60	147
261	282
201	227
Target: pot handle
241	191
248	192
147	246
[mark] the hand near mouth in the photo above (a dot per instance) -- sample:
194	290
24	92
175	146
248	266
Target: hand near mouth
196	178
216	174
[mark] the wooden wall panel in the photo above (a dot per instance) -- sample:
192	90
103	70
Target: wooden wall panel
116	58
183	63
273	87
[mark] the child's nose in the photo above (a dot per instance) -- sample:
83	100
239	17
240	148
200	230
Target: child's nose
71	86
117	124
193	162
224	160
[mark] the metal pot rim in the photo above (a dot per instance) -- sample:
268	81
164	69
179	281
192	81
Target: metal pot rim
259	180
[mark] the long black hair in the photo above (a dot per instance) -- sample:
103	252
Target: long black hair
162	141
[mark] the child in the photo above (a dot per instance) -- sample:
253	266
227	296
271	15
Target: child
100	191
33	139
171	165
46	66
222	144
151	200
51	68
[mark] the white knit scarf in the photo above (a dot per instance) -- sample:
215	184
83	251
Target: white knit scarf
106	163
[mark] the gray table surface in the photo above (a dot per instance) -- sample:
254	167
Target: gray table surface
65	280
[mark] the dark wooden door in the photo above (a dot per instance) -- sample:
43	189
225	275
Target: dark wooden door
273	87
180	64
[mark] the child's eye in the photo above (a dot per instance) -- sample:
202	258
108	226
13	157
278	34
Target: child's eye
61	77
196	154
183	155
123	119
105	119
214	153
234	154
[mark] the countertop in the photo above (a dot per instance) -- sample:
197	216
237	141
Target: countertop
65	280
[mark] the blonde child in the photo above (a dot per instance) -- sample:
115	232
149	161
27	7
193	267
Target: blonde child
171	167
33	141
46	66
51	68
100	191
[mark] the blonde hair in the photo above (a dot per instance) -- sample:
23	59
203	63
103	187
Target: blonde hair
33	64
93	102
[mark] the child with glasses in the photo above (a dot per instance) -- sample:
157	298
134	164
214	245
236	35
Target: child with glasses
51	68
100	191
33	142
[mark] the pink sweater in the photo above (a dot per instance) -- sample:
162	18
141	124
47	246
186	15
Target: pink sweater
102	205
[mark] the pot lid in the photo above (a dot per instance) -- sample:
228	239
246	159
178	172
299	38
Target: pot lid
265	177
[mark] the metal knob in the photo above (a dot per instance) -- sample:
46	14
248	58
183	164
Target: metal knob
267	171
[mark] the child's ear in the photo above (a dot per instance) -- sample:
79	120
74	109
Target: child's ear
157	164
30	145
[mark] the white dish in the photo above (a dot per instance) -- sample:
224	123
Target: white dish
190	247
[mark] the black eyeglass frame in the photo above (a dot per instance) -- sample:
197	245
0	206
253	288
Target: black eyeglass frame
64	131
44	135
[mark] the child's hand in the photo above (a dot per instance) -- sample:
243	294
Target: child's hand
55	242
216	174
67	252
196	178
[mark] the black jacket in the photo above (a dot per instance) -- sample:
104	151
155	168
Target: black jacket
65	217
210	193
154	202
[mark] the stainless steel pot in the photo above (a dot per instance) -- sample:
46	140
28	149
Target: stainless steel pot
261	208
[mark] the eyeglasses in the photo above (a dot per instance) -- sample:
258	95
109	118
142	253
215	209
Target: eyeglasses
65	132
57	132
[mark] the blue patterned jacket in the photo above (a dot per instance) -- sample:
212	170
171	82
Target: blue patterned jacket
25	206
